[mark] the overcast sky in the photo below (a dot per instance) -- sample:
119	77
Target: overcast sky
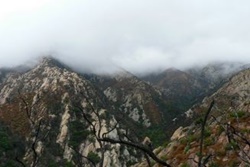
138	35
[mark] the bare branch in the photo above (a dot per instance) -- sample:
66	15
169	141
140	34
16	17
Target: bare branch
137	146
148	160
104	134
20	162
79	154
27	108
202	133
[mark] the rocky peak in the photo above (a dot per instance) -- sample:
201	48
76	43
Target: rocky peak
51	62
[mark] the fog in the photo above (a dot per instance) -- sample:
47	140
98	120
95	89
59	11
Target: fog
140	36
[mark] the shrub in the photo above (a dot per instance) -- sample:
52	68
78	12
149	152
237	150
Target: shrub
231	146
187	148
207	132
220	129
69	164
209	141
94	157
78	133
198	121
185	165
213	164
130	163
238	114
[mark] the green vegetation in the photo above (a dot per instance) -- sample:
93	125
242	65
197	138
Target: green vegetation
207	132
52	164
156	134
209	141
213	164
78	133
187	148
5	144
189	138
237	114
130	163
9	163
185	165
234	164
220	130
231	146
94	157
245	130
198	121
9	144
69	164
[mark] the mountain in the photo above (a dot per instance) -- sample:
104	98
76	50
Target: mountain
54	115
183	89
46	98
226	133
215	74
51	115
179	88
132	96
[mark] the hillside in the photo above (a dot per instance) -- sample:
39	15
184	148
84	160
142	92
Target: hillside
184	88
226	135
52	116
51	110
179	88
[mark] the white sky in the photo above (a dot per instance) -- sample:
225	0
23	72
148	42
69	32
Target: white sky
138	35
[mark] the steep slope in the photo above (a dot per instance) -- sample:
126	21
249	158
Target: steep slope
133	96
226	135
182	89
45	106
215	74
179	88
139	100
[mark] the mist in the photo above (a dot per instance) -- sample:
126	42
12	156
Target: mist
140	36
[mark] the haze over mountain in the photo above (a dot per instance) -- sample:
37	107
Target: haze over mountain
139	36
51	115
124	83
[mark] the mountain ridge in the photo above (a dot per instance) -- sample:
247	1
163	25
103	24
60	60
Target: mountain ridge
62	104
48	98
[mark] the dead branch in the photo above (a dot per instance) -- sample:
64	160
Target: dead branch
137	146
111	130
200	164
27	108
85	157
20	162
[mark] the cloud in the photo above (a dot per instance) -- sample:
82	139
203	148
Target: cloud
138	35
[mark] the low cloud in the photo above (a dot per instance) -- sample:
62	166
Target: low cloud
139	36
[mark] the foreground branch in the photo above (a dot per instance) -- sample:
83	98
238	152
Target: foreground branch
202	134
137	146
